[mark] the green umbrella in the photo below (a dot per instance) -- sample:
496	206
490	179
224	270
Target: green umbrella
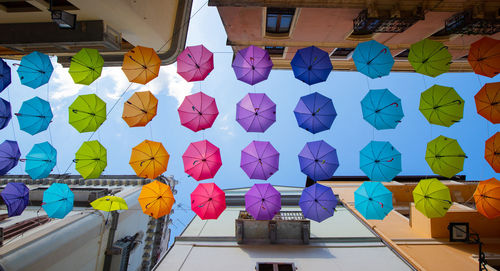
91	159
432	198
445	156
429	57
87	113
86	66
441	105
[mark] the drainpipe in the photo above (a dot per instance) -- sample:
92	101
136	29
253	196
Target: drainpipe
111	238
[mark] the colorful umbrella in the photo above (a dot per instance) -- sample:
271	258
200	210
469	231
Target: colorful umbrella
441	105
5	113
140	109
255	112
262	201
16	196
487	198
208	201
109	204
488	102
58	200
484	56
195	63
259	160
87	113
432	198
373	200
141	65
318	160
40	161
156	199
91	159
317	202
445	156
429	57
382	109
198	111
4	75
252	65
35	70
380	161
149	159
492	152
9	156
315	113
373	59
34	116
311	65
202	160
86	66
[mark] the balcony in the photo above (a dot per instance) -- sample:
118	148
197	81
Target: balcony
384	22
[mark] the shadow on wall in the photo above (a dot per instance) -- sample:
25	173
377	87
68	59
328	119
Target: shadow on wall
286	252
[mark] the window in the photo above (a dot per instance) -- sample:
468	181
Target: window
279	20
403	54
275	267
341	52
275	51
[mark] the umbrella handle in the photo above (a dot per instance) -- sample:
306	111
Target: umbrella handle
23	160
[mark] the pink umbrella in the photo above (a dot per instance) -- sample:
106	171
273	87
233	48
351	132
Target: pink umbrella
202	160
256	112
198	111
195	63
208	201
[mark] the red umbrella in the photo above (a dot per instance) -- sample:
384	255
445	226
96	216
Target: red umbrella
198	111
195	63
208	201
484	56
202	160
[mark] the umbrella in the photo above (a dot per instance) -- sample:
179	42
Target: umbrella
34	116
318	160
201	160
373	200
441	105
58	200
86	66
195	63
9	156
445	156
40	161
380	161
311	65
141	65
16	196
35	70
91	159
317	202
262	201
109	203
382	109
487	198
87	113
432	198
4	75
252	65
373	59
5	113
429	57
492	152
140	109
315	113
208	201
149	159
488	102
259	160
255	112
156	199
198	111
484	56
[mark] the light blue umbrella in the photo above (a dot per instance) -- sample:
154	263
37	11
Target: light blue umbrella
41	160
58	200
382	109
35	69
34	116
373	59
373	200
380	161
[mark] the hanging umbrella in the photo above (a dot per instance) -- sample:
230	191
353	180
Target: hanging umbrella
262	201
4	75
429	57
195	63
373	59
87	113
380	161
255	112
317	202
140	109
492	152
488	102
318	160
311	65
198	111
156	199
86	66
315	113
259	160
35	70
445	156
40	161
141	65
9	156
34	116
58	200
441	105
16	196
109	204
382	109
208	201
5	113
252	65
484	56
487	198
149	159
373	200
432	198
91	159
202	160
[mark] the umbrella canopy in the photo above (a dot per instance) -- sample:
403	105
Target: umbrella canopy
35	70
373	59
149	159
373	200
382	109
140	109
16	196
109	204
432	198
256	112
488	102
195	63
252	65
429	57
380	161
202	160
259	160
87	113
441	105
208	201
58	200
91	159
317	202
315	113
156	199
318	160
198	111
445	156
311	65
4	75
141	65
5	113
9	156
34	116
487	198
86	66
262	201
484	56
40	161
492	152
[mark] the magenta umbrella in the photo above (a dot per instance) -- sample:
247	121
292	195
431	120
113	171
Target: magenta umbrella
195	63
256	112
202	160
252	65
263	201
198	111
259	160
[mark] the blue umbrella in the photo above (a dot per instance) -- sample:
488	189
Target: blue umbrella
311	65
16	196
58	200
382	109
5	113
373	59
380	161
35	70
317	202
315	112
4	75
34	116
373	200
41	160
9	156
318	160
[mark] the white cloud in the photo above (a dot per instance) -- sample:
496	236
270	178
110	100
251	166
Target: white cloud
177	86
62	85
119	82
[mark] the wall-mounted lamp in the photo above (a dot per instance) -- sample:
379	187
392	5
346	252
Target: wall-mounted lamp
63	19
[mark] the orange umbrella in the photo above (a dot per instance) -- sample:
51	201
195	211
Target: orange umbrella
141	65
156	199
488	102
484	56
487	197
492	152
140	109
149	159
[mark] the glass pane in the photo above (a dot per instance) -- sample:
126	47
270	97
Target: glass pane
285	267
266	267
285	22
272	20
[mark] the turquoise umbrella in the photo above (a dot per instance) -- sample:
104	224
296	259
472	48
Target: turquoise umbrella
34	116
373	59
380	161
373	200
35	69
58	200
41	160
382	109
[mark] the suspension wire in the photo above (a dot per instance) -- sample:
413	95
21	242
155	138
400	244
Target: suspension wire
13	129
49	129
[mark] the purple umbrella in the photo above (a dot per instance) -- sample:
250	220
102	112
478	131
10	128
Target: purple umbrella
256	112
318	160
317	202
5	113
263	201
260	160
252	65
16	197
9	156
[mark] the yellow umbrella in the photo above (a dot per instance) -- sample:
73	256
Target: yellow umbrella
149	159
109	203
156	199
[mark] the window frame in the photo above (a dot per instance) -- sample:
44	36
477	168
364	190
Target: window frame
280	14
275	265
